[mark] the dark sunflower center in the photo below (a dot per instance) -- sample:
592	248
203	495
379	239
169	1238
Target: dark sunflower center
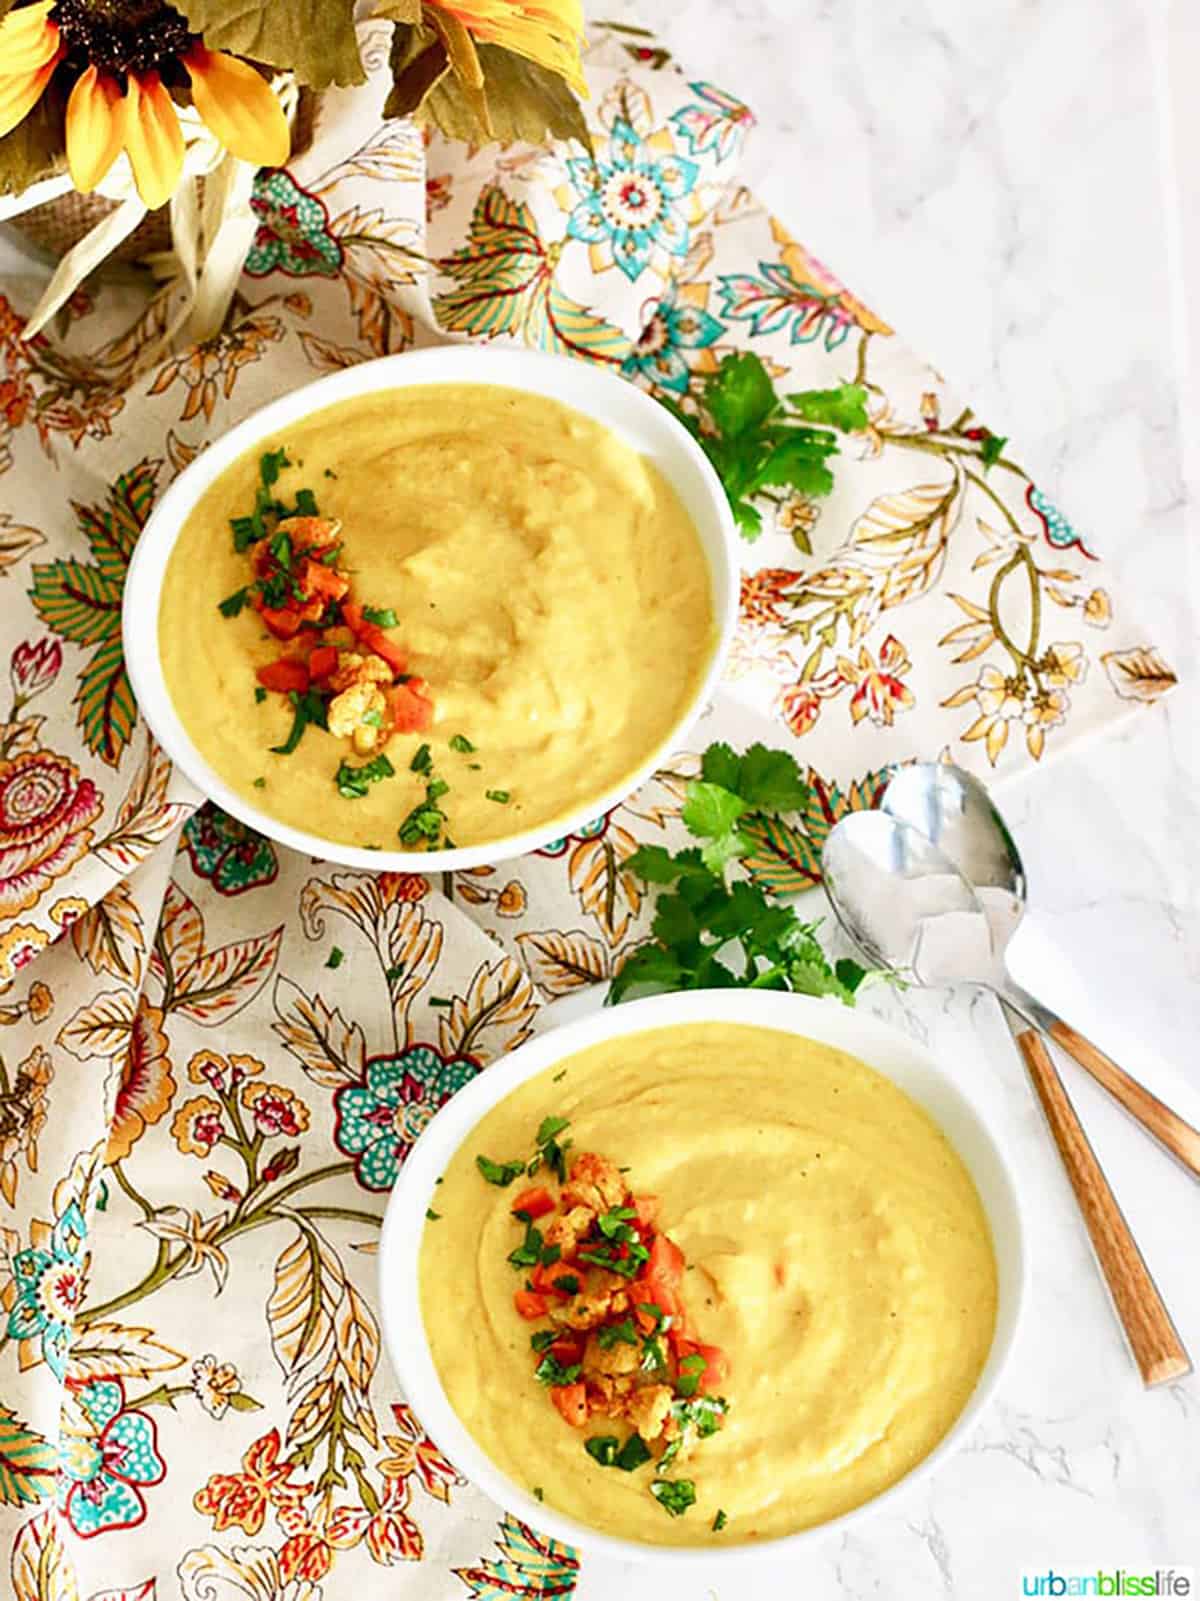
122	35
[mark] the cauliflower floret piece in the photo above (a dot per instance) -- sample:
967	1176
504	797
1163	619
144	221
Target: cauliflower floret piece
348	713
594	1182
649	1408
615	1360
355	669
605	1294
569	1228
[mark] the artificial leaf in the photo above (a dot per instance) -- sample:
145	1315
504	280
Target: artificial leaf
315	38
117	1351
405	11
495	1015
527	101
1139	674
418	60
331	1051
107	710
561	962
16	541
101	1027
27	1462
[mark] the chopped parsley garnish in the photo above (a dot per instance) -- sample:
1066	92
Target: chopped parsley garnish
232	604
426	823
529	1252
612	1224
691	1370
633	1454
354	782
461	744
558	1077
500	796
306	503
610	1334
698	1418
422	762
307	708
551	1371
432	1216
602	1448
550	1253
674	1495
260	694
542	1339
654	1357
260	783
539	1492
336	957
549	1150
568	1284
270	465
381	616
719	1521
700	917
621	1250
499	1173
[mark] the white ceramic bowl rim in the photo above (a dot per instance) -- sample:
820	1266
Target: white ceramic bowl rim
619	404
881	1046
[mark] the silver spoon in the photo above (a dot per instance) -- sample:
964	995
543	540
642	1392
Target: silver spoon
955	812
908	909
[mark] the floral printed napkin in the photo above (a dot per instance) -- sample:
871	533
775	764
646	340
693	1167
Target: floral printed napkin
217	1052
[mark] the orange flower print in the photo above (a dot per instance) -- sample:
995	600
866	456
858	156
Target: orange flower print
22	1118
412	1451
39	1003
275	1110
1097	609
512	900
46	812
147	1084
799	704
763	594
391	1535
222	1073
879	691
197	1126
243	1498
212	368
305	1555
1045	708
401	887
18	947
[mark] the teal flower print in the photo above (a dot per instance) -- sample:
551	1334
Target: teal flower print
232	857
592	830
101	1471
377	1122
660	356
629	202
48	1281
1055	527
717	123
293	231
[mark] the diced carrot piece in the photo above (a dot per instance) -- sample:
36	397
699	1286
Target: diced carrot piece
717	1370
646	1321
646	1207
310	533
374	638
284	676
529	1304
535	1202
283	622
662	1273
412	710
571	1401
322	661
567	1350
543	1278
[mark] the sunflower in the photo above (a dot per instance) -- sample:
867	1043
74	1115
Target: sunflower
125	69
545	31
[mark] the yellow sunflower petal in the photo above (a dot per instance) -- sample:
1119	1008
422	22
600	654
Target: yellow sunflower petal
20	93
27	39
152	138
95	128
239	107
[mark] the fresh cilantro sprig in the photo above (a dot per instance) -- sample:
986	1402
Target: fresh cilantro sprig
758	441
702	921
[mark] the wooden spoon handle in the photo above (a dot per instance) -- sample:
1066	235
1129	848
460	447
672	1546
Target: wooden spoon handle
1156	1346
1166	1126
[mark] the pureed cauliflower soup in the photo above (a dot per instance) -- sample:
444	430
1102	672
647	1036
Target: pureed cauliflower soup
434	616
764	1292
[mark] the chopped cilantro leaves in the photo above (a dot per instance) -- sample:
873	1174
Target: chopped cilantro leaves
542	1339
551	1371
260	695
354	782
260	783
719	1521
432	1216
422	762
633	1454
307	708
461	744
498	1173
270	465
602	1448
610	1334
381	616
232	604
529	1252
539	1493
568	1284
674	1495
691	1370
500	796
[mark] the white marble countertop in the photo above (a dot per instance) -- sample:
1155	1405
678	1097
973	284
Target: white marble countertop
994	178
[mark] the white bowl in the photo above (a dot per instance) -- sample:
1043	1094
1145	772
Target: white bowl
631	414
879	1045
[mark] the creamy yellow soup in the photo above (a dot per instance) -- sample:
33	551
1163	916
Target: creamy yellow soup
548	585
837	1251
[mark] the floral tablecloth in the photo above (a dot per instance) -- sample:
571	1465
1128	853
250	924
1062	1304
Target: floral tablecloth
200	1113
